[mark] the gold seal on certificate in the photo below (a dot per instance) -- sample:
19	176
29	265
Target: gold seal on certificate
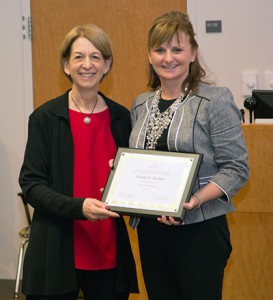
150	182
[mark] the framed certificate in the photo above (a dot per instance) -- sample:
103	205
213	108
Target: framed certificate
150	182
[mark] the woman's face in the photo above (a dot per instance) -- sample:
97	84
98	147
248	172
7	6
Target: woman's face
86	65
171	61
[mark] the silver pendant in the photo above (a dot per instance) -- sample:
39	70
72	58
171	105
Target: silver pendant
87	120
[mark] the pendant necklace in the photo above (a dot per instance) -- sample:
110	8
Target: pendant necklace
86	119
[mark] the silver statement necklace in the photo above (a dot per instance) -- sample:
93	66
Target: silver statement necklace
86	119
158	121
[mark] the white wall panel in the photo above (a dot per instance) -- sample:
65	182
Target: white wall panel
245	44
15	106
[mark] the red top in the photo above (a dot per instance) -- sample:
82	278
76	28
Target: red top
94	146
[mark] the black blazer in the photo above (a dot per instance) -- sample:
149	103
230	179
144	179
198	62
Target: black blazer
46	179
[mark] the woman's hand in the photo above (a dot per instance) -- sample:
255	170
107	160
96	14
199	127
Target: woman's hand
111	163
168	221
94	210
207	193
194	203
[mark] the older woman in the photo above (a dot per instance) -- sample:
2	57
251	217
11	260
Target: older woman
183	113
76	242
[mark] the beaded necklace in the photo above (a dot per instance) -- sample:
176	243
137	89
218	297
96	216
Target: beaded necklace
158	121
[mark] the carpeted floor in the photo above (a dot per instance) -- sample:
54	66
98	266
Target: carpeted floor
11	298
7	291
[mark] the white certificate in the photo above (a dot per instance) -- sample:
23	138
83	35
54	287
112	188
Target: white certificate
150	183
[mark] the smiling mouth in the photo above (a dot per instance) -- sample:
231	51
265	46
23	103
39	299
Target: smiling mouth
87	75
169	67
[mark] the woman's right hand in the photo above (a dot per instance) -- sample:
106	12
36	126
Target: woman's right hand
94	210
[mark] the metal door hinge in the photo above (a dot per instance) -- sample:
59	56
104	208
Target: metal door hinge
26	27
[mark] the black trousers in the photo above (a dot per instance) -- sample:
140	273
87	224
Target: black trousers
184	262
96	285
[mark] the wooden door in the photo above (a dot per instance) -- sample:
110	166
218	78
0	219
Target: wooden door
127	23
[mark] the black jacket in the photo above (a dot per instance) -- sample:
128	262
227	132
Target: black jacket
46	179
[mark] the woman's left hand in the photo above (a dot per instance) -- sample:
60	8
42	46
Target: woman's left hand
192	204
168	221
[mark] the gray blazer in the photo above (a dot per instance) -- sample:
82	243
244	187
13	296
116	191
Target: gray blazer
207	122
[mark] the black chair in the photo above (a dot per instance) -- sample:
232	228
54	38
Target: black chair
24	234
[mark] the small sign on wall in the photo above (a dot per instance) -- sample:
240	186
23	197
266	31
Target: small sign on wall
214	26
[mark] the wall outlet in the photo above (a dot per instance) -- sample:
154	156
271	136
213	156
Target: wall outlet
249	82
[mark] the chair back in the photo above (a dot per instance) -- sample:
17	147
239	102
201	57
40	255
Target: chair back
21	195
